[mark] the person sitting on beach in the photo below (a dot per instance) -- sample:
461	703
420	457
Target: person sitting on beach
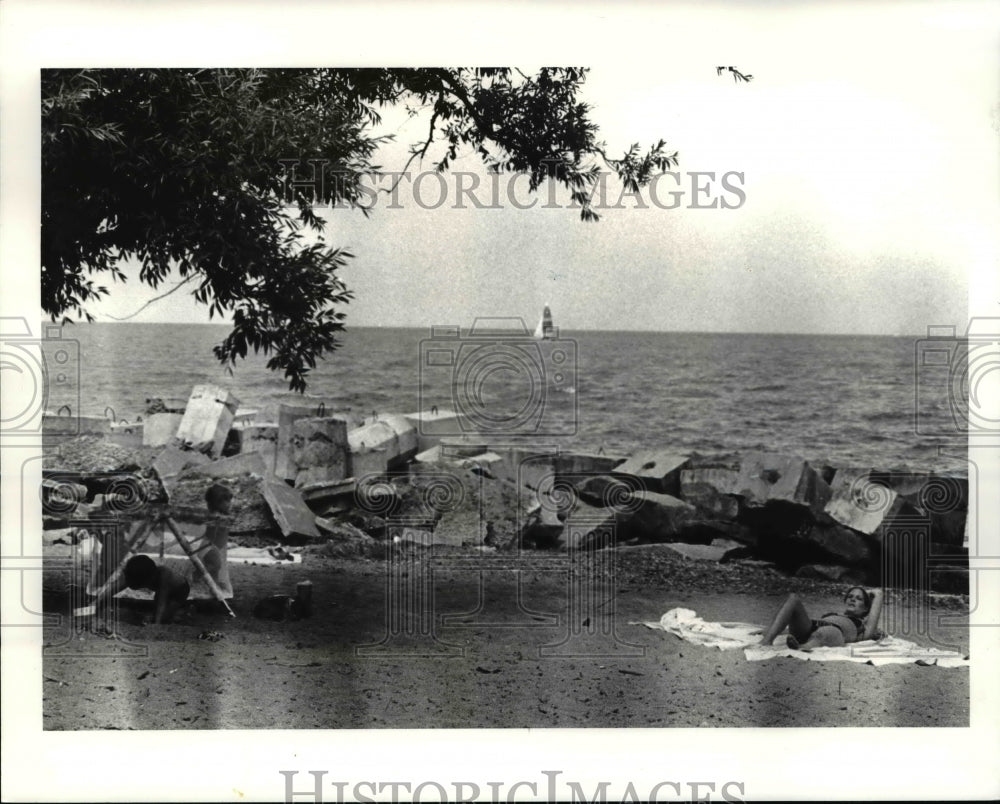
170	588
857	622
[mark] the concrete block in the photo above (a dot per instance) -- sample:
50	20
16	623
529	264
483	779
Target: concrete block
261	439
859	502
604	490
658	470
320	450
710	490
843	544
659	517
383	443
245	416
284	465
767	477
72	425
432	455
208	418
454	448
432	425
296	522
581	463
159	429
589	527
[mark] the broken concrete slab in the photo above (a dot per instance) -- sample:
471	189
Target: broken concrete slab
433	425
173	460
159	429
247	463
208	419
710	490
658	470
330	493
842	543
296	522
320	450
658	517
126	434
859	502
767	477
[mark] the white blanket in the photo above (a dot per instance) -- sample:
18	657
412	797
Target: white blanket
683	623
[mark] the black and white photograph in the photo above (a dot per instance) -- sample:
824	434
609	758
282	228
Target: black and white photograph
390	416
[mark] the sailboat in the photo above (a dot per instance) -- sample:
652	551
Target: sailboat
545	330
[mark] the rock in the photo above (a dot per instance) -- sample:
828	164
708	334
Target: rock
319	450
657	470
295	520
710	490
159	429
858	501
765	477
208	417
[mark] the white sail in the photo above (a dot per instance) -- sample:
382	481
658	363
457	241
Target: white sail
545	328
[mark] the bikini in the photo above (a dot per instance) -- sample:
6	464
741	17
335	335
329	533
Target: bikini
858	622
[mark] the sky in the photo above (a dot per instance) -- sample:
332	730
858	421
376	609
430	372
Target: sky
865	149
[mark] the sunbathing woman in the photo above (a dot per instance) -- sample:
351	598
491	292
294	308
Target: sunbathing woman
858	621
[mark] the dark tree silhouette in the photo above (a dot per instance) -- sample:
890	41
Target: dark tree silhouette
184	171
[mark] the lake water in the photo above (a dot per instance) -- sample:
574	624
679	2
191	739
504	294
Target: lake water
843	400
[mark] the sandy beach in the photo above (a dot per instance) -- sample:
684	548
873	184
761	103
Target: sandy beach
493	668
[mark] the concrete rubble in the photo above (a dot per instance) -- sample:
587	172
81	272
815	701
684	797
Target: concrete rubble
304	473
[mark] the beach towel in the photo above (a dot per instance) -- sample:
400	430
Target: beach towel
686	625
